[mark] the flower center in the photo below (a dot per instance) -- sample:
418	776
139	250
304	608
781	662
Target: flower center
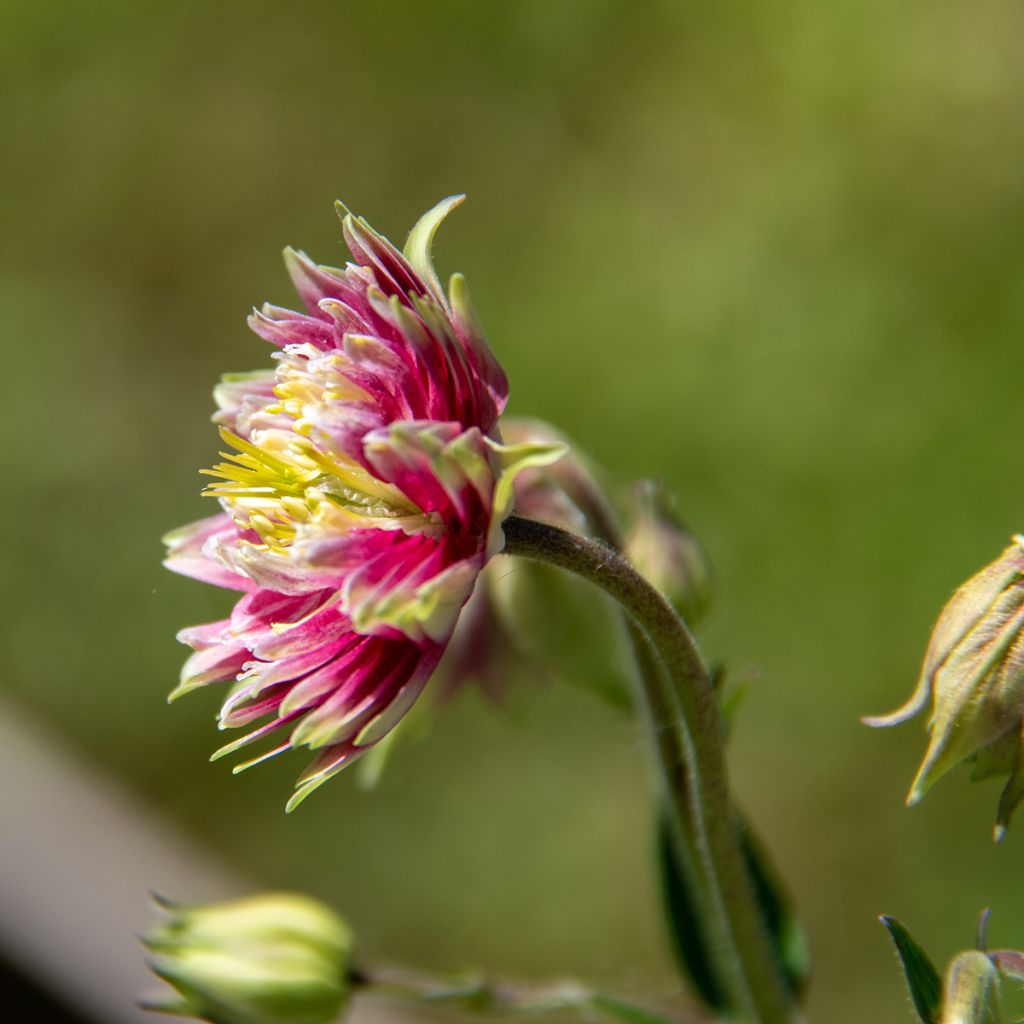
279	482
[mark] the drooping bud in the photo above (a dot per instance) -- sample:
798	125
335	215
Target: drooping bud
973	675
667	553
971	991
565	493
532	622
275	958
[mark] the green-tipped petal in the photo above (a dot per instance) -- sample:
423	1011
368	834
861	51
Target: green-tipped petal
513	459
418	245
430	609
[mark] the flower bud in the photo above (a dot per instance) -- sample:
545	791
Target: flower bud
667	553
275	958
565	493
973	674
971	991
535	622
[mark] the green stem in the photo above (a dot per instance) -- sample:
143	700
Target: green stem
491	997
681	713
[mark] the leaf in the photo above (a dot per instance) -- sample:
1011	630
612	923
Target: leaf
625	1012
784	929
684	923
922	978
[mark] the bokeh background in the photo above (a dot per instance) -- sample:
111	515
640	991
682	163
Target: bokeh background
769	251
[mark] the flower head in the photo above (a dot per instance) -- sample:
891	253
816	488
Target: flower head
973	675
363	492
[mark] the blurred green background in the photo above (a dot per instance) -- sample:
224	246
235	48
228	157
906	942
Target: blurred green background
770	251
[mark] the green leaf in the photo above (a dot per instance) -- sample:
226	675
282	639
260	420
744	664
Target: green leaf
625	1012
684	923
923	979
783	927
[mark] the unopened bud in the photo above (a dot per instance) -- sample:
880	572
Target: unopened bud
971	991
534	622
973	675
667	553
565	493
276	958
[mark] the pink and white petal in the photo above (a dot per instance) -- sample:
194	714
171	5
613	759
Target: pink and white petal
324	766
318	686
373	680
264	614
188	553
403	454
257	734
327	627
315	283
390	267
243	396
211	665
243	712
283	327
486	368
281	571
208	634
258	676
422	605
335	757
346	315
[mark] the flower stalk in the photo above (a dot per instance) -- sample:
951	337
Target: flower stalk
679	709
491	997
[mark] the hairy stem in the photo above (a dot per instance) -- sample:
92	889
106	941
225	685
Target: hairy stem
493	997
680	711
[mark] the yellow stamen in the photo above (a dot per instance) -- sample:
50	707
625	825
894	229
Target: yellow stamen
278	481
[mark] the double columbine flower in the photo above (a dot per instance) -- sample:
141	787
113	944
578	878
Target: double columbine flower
364	491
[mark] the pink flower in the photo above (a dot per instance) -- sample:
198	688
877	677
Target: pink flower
364	493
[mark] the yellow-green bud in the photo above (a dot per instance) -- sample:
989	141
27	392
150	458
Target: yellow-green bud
973	675
667	553
971	991
275	958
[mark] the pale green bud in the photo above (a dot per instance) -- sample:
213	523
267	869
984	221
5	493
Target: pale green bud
275	958
667	553
973	675
971	991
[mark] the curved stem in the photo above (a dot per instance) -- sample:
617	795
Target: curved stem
493	997
681	712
